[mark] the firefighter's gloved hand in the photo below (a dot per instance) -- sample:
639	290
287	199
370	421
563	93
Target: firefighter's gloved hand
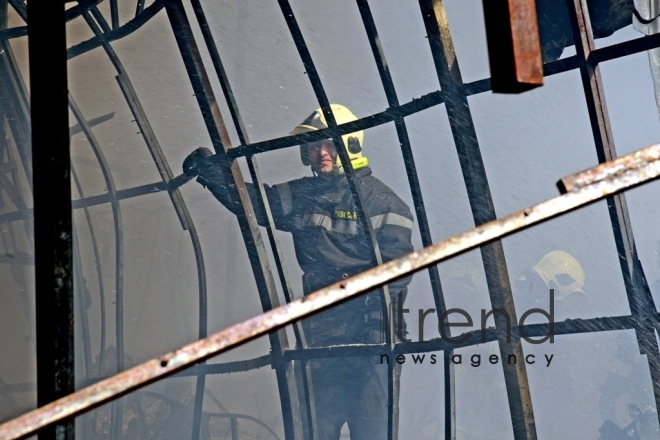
192	163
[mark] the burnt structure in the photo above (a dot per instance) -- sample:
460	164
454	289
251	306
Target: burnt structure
26	190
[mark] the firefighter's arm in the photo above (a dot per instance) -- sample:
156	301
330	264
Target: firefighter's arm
214	174
394	233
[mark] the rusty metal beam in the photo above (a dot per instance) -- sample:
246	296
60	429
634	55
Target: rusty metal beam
483	210
634	169
514	47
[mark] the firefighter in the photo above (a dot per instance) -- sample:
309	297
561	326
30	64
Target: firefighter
330	244
560	271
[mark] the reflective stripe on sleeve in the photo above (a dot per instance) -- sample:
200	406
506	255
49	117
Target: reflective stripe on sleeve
391	218
351	226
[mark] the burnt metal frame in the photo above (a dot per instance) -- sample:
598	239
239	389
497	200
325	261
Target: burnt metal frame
643	318
291	412
52	199
642	306
580	190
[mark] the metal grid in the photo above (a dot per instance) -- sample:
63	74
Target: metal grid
453	94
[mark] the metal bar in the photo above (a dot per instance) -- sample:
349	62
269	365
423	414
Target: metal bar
438	97
99	272
228	367
119	250
639	296
471	338
16	104
249	226
406	150
122	194
15	32
308	397
175	196
139	7
514	47
186	222
234	428
363	212
411	172
188	355
20	8
80	312
474	337
450	392
483	210
79	286
114	14
52	203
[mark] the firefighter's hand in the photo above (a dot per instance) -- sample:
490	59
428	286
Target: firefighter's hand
194	160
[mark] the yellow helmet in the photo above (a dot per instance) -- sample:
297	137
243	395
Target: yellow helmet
561	272
352	141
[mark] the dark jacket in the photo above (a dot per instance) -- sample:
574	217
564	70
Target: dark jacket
329	241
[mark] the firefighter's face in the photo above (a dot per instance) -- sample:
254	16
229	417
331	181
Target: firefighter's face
322	157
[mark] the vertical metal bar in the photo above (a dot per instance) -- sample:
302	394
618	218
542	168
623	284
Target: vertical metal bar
139	7
234	429
117	406
52	207
81	316
79	284
406	150
483	210
114	14
641	302
450	393
308	396
411	170
177	200
186	222
249	227
363	213
99	270
15	103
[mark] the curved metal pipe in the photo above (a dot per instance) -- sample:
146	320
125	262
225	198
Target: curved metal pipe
119	236
177	201
99	270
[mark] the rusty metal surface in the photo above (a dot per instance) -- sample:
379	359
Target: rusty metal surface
483	211
626	168
193	353
514	47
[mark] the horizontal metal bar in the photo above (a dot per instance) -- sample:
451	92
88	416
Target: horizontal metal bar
626	167
438	97
15	32
195	352
472	337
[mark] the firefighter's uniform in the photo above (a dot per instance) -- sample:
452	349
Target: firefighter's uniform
330	245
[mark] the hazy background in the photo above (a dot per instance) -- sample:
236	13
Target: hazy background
528	142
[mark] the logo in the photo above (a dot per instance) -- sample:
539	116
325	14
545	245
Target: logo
459	318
